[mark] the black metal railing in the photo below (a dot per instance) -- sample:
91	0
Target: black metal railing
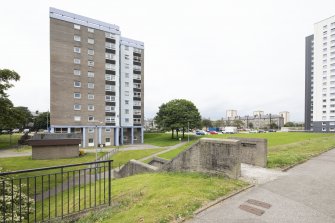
45	194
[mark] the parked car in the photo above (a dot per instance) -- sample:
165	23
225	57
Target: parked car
272	130
230	130
213	132
15	130
253	131
25	131
4	131
200	132
261	131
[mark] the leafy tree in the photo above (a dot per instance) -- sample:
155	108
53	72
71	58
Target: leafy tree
40	122
206	122
273	126
251	125
238	123
5	77
289	124
6	106
177	115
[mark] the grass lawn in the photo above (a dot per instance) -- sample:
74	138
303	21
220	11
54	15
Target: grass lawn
122	157
284	155
275	138
26	162
284	148
7	140
156	197
163	139
173	153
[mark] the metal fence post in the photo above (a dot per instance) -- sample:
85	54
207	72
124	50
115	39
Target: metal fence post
110	182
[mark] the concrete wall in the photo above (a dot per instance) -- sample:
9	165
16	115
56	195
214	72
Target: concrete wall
253	151
214	156
158	162
44	136
55	152
134	167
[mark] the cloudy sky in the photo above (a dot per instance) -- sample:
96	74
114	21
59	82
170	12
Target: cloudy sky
242	55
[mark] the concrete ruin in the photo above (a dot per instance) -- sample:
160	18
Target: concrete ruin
54	146
214	156
253	151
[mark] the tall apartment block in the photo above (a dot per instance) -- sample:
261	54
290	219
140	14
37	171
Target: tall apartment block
320	77
96	81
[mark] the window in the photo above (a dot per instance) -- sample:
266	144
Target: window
90	74
109	98
90	41
109	66
126	47
90	130
126	93
77	118
77	95
76	61
126	66
90	140
76	49
110	119
126	57
126	120
76	107
108	130
109	56
331	123
76	26
90	118
137	86
126	102
137	121
126	111
90	85
137	103
137	76
109	88
107	140
90	96
137	94
90	63
76	72
109	35
126	84
126	75
90	52
90	30
109	45
109	77
76	38
90	107
137	112
109	108
77	84
324	129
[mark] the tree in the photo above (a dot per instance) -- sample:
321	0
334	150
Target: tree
289	124
238	123
251	125
40	122
177	115
273	126
6	106
5	77
206	122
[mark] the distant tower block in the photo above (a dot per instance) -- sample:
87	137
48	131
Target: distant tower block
231	114
285	115
258	113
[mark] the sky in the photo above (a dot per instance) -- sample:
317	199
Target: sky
242	55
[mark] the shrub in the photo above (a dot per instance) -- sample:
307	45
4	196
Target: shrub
81	152
13	204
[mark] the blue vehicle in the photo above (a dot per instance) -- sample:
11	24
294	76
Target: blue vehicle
200	132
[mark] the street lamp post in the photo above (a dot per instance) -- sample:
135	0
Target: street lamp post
188	131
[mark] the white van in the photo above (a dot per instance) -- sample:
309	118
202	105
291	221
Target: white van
230	130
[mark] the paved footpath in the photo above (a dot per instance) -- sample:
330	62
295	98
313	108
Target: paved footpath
305	194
